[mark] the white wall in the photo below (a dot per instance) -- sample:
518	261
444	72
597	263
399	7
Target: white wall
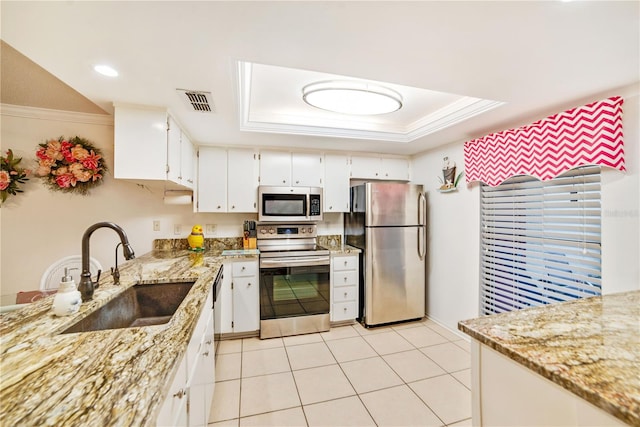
453	239
453	266
40	226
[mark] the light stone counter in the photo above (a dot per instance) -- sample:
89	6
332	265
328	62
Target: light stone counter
104	378
590	347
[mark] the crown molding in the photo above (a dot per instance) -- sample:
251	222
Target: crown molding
55	115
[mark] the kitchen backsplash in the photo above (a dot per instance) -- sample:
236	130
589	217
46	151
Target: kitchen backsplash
330	241
216	243
222	243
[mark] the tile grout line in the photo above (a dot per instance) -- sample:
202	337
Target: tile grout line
358	395
350	383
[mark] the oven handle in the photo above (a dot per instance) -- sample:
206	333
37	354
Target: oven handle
292	262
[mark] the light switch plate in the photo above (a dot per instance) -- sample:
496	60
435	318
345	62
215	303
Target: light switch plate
210	228
177	229
156	225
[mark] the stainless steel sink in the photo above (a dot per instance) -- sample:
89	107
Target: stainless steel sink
140	305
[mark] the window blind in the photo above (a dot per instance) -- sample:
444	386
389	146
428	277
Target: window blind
540	241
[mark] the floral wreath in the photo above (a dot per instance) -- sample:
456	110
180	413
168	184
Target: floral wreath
71	166
11	175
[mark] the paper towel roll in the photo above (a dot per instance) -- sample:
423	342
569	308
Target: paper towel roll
182	199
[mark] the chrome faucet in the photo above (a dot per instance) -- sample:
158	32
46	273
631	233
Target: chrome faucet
86	285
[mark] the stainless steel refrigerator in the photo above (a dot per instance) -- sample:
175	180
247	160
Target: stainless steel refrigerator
388	222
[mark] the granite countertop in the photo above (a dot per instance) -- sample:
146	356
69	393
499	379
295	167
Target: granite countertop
591	347
110	377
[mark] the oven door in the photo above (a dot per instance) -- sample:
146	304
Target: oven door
294	286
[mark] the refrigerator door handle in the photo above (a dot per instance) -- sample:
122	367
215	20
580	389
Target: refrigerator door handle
422	231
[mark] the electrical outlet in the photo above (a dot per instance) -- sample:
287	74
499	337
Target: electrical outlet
156	225
210	228
177	229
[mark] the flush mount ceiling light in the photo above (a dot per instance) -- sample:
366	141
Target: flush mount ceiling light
106	70
351	97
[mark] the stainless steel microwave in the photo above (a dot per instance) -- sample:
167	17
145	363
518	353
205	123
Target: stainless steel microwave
289	204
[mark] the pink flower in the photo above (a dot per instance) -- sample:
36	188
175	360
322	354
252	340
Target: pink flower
42	154
91	161
5	180
66	180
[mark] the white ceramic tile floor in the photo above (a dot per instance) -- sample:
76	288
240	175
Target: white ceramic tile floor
412	374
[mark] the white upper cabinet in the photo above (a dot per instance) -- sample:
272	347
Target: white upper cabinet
395	169
336	183
365	167
227	180
382	168
148	147
242	176
212	180
291	169
307	169
187	162
140	143
275	168
174	151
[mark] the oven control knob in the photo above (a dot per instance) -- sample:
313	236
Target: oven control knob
303	230
272	231
310	230
263	231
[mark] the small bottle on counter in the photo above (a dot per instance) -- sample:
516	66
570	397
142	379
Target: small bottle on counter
68	299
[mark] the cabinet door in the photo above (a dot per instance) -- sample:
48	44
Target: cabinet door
140	143
242	185
365	167
187	162
224	303
306	170
246	304
173	152
336	183
174	410
395	169
203	376
275	168
212	180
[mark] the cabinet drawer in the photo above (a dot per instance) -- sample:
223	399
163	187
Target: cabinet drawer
248	268
345	278
345	263
344	294
344	311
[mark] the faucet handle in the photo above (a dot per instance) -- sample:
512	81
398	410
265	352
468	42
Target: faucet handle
116	275
97	282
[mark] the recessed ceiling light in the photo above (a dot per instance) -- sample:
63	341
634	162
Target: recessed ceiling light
352	97
106	70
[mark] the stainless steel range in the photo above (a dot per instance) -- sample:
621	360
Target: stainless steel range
294	280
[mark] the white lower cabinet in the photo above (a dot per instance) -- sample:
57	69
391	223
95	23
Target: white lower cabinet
506	393
344	287
188	401
174	410
238	305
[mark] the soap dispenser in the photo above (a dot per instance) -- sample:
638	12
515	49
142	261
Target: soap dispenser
68	299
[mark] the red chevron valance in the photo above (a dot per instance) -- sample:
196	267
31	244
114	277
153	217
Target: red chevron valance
587	135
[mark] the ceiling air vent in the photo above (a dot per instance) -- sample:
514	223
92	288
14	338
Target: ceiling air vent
198	100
